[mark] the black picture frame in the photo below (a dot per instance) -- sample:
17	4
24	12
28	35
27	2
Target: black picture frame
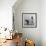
29	20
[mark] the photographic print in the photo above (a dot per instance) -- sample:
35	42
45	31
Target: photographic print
29	20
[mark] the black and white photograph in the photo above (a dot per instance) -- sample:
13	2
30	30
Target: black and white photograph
29	20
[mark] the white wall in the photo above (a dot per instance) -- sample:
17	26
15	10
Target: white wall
43	22
6	13
28	6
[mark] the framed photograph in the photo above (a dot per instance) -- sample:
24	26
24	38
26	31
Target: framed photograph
29	20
